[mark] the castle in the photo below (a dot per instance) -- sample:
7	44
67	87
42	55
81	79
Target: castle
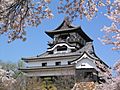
70	52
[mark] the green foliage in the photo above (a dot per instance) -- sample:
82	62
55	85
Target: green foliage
47	83
64	82
20	64
8	66
13	68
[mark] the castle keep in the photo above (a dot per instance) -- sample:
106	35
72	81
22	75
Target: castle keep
70	52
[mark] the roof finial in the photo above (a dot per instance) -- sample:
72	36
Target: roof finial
67	20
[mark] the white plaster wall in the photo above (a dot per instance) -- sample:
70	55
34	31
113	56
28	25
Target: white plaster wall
30	64
49	63
85	63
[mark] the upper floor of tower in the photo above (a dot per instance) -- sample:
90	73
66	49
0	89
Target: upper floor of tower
67	38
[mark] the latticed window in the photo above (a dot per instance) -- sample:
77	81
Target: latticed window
62	48
57	63
69	63
44	64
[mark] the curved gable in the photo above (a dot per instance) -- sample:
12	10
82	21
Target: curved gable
85	61
63	44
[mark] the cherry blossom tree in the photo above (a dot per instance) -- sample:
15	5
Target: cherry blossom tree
10	77
112	33
15	15
80	8
31	12
113	83
6	82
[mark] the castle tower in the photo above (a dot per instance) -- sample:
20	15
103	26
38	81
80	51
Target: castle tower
70	52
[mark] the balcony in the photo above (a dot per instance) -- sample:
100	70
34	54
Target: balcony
50	43
69	40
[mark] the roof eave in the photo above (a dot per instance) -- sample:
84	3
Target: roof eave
84	35
37	68
51	33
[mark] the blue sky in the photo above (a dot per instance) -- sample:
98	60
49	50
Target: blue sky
36	42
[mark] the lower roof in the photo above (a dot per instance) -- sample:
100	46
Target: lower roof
45	67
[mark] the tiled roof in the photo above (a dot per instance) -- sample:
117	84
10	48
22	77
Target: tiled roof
47	56
67	27
87	48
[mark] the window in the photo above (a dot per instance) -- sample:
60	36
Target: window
69	63
62	48
57	63
82	64
44	64
50	52
63	37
